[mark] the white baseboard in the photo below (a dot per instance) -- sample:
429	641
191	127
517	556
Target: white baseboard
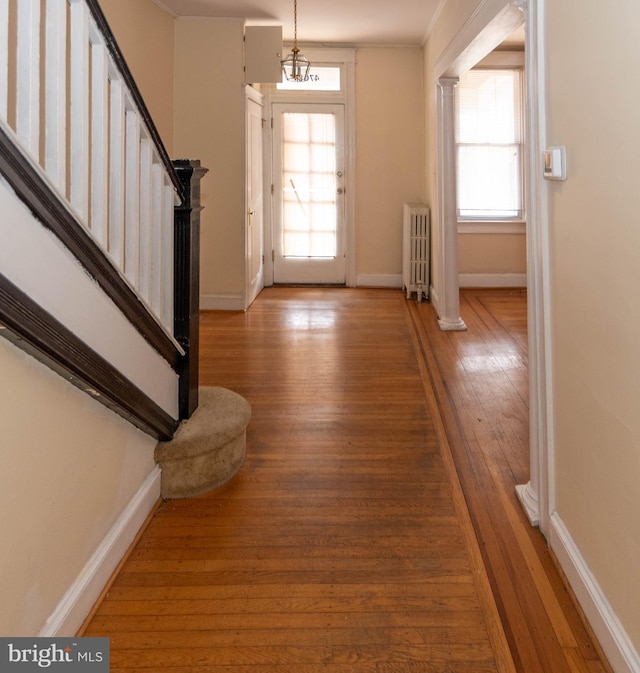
221	302
379	280
610	633
492	280
81	596
214	302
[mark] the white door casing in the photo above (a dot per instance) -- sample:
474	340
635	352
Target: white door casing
254	215
344	58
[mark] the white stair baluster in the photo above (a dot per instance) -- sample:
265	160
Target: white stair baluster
166	314
28	77
99	142
55	156
117	175
144	287
79	113
132	199
155	291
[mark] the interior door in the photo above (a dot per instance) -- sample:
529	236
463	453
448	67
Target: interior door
308	193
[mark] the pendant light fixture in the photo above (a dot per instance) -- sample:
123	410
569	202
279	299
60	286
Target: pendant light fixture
295	67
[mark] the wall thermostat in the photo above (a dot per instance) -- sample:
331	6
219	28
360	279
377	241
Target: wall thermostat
555	163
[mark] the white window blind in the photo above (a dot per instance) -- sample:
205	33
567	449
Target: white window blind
489	145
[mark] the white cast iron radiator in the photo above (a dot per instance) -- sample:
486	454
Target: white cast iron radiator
416	250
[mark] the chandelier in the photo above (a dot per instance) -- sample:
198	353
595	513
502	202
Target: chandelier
295	67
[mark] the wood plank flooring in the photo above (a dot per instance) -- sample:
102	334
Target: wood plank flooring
374	526
480	380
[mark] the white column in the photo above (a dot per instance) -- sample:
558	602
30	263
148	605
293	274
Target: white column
449	305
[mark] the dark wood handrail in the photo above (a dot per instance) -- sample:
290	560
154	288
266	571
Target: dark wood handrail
38	333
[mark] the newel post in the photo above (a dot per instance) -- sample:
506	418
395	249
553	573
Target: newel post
187	280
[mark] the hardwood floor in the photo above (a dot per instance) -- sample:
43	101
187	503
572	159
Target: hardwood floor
480	380
374	526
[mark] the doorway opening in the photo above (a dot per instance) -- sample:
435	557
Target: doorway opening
479	36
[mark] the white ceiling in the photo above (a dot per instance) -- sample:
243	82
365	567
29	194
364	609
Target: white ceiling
352	22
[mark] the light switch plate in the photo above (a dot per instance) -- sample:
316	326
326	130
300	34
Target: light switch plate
555	163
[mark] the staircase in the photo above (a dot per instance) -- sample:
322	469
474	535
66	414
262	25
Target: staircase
96	267
126	331
99	267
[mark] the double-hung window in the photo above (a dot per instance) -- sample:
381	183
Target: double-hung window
489	142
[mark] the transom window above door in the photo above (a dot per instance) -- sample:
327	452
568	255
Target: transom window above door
320	78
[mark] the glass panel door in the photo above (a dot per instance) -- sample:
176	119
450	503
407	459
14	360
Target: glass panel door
308	194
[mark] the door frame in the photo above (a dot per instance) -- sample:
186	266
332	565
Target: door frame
253	286
345	59
490	23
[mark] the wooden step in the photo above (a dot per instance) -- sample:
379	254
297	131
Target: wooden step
208	448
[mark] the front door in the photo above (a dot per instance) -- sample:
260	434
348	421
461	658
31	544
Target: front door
308	189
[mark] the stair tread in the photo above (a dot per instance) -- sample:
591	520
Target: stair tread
221	416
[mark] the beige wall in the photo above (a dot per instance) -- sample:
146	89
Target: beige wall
145	34
492	253
209	125
199	114
389	152
595	257
69	468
